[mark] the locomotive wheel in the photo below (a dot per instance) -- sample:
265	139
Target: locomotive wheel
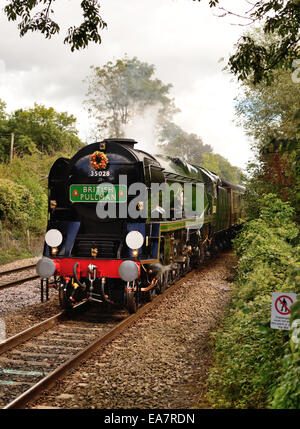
180	270
149	295
131	302
163	281
172	276
203	253
195	259
177	273
132	299
214	248
187	267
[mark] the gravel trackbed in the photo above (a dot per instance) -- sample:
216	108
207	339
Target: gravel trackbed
162	360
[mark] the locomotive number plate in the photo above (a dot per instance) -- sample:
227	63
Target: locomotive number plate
98	193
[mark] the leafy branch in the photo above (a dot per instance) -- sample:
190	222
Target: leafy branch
255	61
30	19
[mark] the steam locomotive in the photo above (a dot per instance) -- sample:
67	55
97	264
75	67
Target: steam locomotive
111	237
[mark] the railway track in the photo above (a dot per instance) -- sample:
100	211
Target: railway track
32	361
8	282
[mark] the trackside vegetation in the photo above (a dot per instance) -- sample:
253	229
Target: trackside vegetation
256	366
23	204
41	135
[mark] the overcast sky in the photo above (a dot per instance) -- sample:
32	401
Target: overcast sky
182	38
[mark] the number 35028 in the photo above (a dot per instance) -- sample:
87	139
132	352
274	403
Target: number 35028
100	173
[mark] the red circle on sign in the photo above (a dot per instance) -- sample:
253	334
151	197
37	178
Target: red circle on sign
279	299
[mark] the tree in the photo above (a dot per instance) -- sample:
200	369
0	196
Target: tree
37	15
2	110
255	60
38	129
190	147
4	132
267	114
177	142
222	167
266	111
119	91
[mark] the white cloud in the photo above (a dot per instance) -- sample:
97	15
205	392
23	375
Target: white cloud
182	38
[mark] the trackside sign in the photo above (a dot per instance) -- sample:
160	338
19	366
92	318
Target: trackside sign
281	310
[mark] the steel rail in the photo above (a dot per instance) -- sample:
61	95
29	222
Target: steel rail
18	282
16	270
33	331
48	381
29	333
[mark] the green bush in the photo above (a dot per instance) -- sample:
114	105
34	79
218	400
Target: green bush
248	357
249	354
287	394
16	203
23	203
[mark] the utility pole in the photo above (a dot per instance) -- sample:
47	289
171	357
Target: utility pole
12	139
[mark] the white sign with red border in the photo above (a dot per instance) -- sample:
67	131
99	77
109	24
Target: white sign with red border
281	310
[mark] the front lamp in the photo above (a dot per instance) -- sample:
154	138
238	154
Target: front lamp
53	238
134	240
135	253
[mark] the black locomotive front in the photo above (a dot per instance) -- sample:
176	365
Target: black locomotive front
90	243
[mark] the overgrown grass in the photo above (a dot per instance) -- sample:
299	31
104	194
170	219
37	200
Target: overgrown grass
13	254
249	364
